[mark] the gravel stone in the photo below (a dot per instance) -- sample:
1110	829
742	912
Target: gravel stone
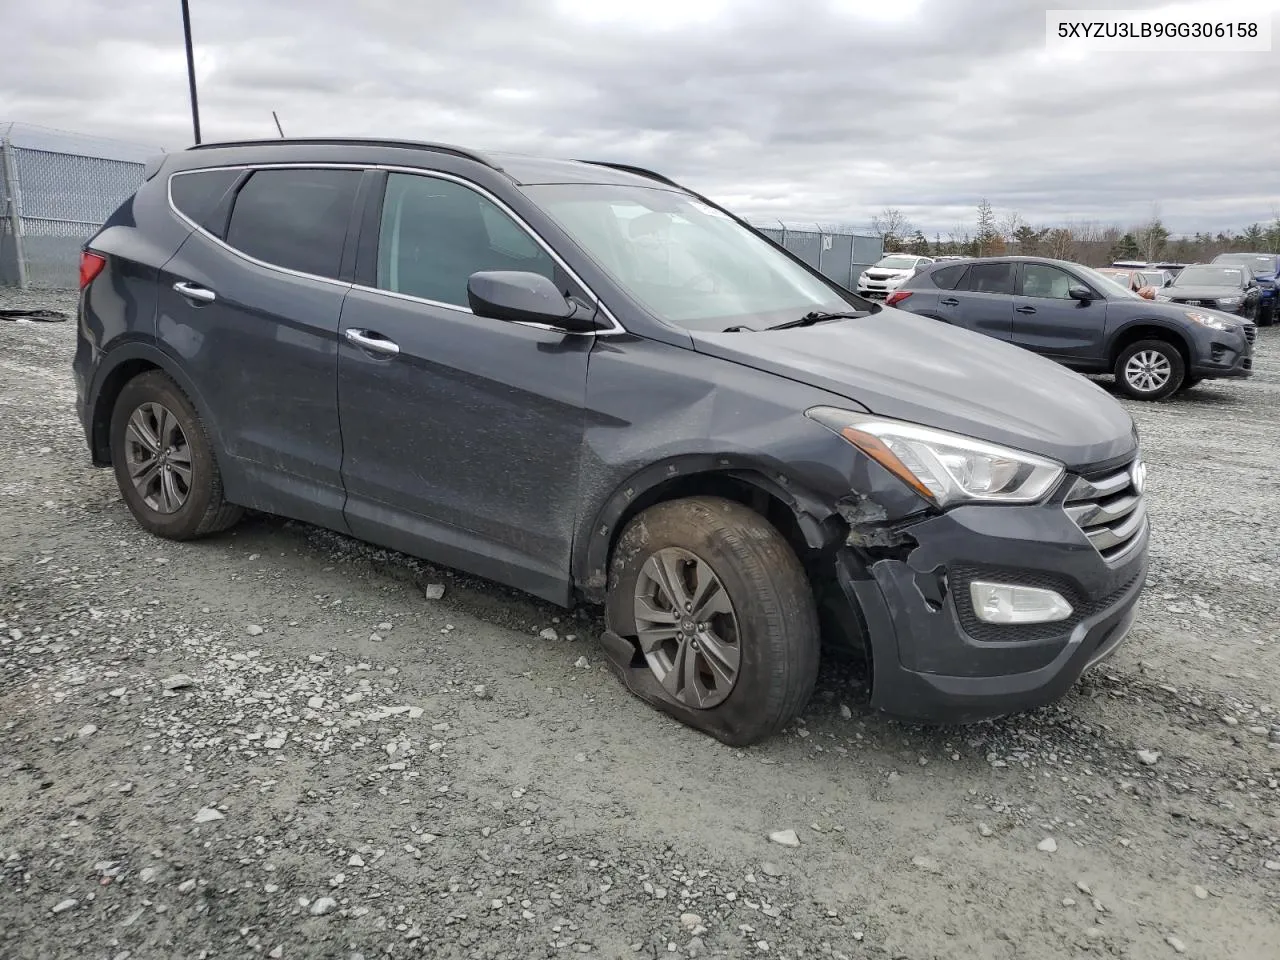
433	591
1047	845
785	838
323	905
208	815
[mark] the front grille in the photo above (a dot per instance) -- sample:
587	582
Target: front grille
1110	510
982	631
1250	332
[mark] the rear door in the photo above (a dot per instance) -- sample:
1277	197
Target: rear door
462	435
1048	321
984	303
249	306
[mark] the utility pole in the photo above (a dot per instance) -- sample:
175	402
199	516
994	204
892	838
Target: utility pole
191	70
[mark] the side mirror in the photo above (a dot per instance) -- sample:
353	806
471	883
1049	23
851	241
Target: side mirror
1169	282
520	296
1080	292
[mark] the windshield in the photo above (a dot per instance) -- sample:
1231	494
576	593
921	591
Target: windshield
1263	266
1115	288
685	262
1211	277
897	263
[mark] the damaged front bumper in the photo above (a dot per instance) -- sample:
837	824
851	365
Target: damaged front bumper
933	659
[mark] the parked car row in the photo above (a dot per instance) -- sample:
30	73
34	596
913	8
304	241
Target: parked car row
1085	320
1244	283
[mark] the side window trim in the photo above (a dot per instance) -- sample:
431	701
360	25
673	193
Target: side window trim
371	227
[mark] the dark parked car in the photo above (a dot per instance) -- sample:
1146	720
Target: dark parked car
586	382
1265	267
1227	287
1084	320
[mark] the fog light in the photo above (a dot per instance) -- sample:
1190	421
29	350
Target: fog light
1006	603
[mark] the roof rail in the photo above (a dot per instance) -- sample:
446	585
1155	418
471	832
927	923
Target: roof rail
355	141
638	171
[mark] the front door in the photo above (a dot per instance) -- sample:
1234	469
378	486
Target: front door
461	435
1048	321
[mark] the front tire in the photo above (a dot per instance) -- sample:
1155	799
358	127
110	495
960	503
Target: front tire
723	614
164	462
1150	370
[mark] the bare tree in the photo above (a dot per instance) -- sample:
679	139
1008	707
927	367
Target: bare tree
1059	243
1010	224
891	226
1152	235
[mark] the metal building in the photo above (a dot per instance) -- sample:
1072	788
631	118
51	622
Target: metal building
840	251
56	189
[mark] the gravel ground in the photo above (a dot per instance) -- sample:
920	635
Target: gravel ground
280	742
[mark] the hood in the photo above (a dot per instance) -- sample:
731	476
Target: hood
1202	293
899	365
890	271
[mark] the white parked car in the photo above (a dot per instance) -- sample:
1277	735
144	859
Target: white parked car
882	278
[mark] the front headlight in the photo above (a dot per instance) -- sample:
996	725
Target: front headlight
1210	321
1229	303
944	468
1162	297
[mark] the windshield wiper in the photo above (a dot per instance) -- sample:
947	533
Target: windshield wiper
809	319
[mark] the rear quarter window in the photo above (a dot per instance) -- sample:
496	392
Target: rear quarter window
948	278
991	278
196	194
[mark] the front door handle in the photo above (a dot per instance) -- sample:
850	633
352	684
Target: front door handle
1025	309
193	292
949	302
372	341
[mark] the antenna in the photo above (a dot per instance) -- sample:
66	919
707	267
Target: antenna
277	120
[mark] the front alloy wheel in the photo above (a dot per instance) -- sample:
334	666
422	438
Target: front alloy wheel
1150	370
687	628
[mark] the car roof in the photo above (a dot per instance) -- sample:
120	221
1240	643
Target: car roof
521	169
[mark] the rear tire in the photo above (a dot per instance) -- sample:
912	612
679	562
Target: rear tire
1266	315
765	622
1150	370
164	462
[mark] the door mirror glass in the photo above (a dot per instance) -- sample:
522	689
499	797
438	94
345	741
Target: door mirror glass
517	295
1080	292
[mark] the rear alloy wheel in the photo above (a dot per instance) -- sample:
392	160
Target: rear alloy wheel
1150	370
164	462
722	613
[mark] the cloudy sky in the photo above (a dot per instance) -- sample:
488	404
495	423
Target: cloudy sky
800	109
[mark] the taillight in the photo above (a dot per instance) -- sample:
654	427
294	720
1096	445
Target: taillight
91	265
896	297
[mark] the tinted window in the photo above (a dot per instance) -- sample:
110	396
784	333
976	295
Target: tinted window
196	194
436	233
948	278
1042	280
295	218
991	278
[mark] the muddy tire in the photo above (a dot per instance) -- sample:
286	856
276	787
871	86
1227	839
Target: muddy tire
723	615
1150	370
164	462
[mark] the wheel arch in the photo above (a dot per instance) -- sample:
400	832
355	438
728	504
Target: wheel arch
119	366
802	519
1138	330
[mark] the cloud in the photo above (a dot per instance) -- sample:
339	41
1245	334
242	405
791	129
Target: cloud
808	110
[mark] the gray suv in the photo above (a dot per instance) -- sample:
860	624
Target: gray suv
589	383
1086	321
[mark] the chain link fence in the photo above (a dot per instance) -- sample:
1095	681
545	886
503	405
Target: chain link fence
838	251
56	190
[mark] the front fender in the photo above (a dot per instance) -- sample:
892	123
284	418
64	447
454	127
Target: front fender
591	561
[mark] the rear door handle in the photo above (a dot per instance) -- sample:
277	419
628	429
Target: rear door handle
950	302
372	341
193	292
1025	309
